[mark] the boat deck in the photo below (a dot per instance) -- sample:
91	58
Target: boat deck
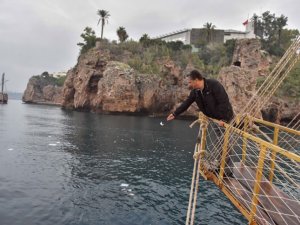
274	206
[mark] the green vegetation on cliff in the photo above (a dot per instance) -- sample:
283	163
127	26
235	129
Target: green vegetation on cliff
89	40
271	29
291	85
45	77
148	55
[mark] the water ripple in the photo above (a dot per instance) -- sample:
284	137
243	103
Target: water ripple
69	167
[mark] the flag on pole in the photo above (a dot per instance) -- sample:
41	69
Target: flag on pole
245	23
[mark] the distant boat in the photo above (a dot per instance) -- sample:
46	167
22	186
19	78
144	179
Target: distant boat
3	95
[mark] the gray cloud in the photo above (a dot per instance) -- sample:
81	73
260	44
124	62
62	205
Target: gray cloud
41	35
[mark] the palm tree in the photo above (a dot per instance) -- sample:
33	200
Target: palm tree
209	29
104	15
122	34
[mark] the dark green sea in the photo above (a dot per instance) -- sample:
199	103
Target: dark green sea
76	168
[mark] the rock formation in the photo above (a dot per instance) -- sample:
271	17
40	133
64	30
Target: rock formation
240	79
250	57
100	85
240	86
100	82
42	90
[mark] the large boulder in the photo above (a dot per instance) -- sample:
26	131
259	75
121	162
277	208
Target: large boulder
240	85
240	79
284	111
42	90
102	81
248	55
98	84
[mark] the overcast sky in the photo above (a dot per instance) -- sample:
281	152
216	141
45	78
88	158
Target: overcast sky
41	35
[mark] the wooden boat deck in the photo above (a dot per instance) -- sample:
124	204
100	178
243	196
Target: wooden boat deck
274	206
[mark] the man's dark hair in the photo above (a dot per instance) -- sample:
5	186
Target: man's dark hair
195	74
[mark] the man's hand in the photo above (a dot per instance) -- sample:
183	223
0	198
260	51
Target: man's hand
221	123
170	117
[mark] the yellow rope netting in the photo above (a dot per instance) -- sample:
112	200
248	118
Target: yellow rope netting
283	171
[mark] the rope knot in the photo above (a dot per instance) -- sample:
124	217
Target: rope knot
197	154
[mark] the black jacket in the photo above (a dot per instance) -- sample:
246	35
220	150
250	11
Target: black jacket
213	101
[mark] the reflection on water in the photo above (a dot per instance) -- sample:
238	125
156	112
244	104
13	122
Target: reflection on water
83	168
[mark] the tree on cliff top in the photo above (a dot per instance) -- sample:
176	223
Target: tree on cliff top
104	15
275	38
122	34
89	38
209	30
145	40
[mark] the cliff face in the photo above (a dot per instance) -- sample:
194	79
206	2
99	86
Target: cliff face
282	111
240	79
240	82
100	85
42	90
248	53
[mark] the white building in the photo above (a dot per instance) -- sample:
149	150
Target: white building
191	36
180	35
59	74
235	34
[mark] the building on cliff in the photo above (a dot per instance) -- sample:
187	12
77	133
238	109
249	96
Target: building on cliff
194	35
59	74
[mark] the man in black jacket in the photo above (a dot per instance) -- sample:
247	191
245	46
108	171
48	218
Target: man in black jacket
210	96
213	101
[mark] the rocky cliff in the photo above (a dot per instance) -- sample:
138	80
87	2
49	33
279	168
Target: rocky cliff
253	64
240	80
42	90
99	83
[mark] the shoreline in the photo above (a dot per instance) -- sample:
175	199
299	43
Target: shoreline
42	103
183	117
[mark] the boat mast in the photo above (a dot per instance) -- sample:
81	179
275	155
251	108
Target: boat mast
2	83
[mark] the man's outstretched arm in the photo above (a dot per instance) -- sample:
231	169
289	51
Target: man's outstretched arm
183	107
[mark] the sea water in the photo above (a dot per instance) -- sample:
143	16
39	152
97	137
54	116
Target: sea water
65	167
